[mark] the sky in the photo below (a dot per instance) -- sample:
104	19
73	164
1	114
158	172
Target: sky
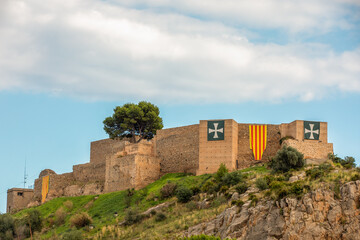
64	66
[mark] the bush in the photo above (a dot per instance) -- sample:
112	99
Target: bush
347	162
168	190
287	158
34	220
261	184
160	217
72	235
6	227
319	171
355	177
241	188
80	220
208	187
218	201
230	179
195	190
60	216
132	217
254	200
68	205
183	194
221	172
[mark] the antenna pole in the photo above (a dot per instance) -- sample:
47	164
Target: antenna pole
25	176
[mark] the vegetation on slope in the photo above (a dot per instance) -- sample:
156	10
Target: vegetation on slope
189	200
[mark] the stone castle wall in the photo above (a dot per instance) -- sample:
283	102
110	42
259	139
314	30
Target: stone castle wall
89	172
103	149
213	153
178	149
245	155
117	164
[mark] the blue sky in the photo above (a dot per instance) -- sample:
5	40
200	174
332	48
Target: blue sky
65	65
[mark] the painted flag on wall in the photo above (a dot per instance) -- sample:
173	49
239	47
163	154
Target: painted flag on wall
258	138
45	188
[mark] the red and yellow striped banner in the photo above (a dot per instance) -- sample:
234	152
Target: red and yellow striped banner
44	188
258	140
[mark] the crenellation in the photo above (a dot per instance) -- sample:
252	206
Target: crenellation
200	148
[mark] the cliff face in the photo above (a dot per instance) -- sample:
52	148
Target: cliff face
317	215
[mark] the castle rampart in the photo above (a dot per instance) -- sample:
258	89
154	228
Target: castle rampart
200	148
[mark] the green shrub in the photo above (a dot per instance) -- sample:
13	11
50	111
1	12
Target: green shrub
60	216
195	189
336	189
254	200
276	185
68	205
132	216
72	235
347	162
287	158
231	179
297	189
80	220
168	190
218	201
355	177
183	194
319	171
160	217
34	220
6	227
224	189
208	187
241	188
261	184
238	203
221	172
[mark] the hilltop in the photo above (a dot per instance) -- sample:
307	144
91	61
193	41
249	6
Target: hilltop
318	202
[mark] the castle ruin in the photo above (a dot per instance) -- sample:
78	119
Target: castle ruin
198	149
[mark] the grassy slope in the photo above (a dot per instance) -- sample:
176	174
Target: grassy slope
103	207
179	217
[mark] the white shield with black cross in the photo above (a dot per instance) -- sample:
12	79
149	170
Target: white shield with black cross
311	130
216	130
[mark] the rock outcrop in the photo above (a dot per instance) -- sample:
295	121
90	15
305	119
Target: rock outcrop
317	215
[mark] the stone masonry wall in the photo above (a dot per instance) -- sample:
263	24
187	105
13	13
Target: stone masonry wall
18	198
120	173
147	170
310	148
89	172
103	149
245	155
213	153
178	149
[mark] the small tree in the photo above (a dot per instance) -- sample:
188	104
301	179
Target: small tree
131	120
287	158
183	194
221	172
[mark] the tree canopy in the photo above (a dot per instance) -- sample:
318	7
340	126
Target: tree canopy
131	120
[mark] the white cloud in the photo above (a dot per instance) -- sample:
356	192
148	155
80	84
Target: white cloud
293	16
96	50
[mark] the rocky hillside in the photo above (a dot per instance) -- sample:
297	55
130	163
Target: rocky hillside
319	214
311	202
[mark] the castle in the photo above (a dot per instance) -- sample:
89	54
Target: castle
198	149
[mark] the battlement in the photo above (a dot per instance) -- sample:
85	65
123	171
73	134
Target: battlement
200	148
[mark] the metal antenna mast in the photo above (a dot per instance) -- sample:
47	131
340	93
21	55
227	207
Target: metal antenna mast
25	175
